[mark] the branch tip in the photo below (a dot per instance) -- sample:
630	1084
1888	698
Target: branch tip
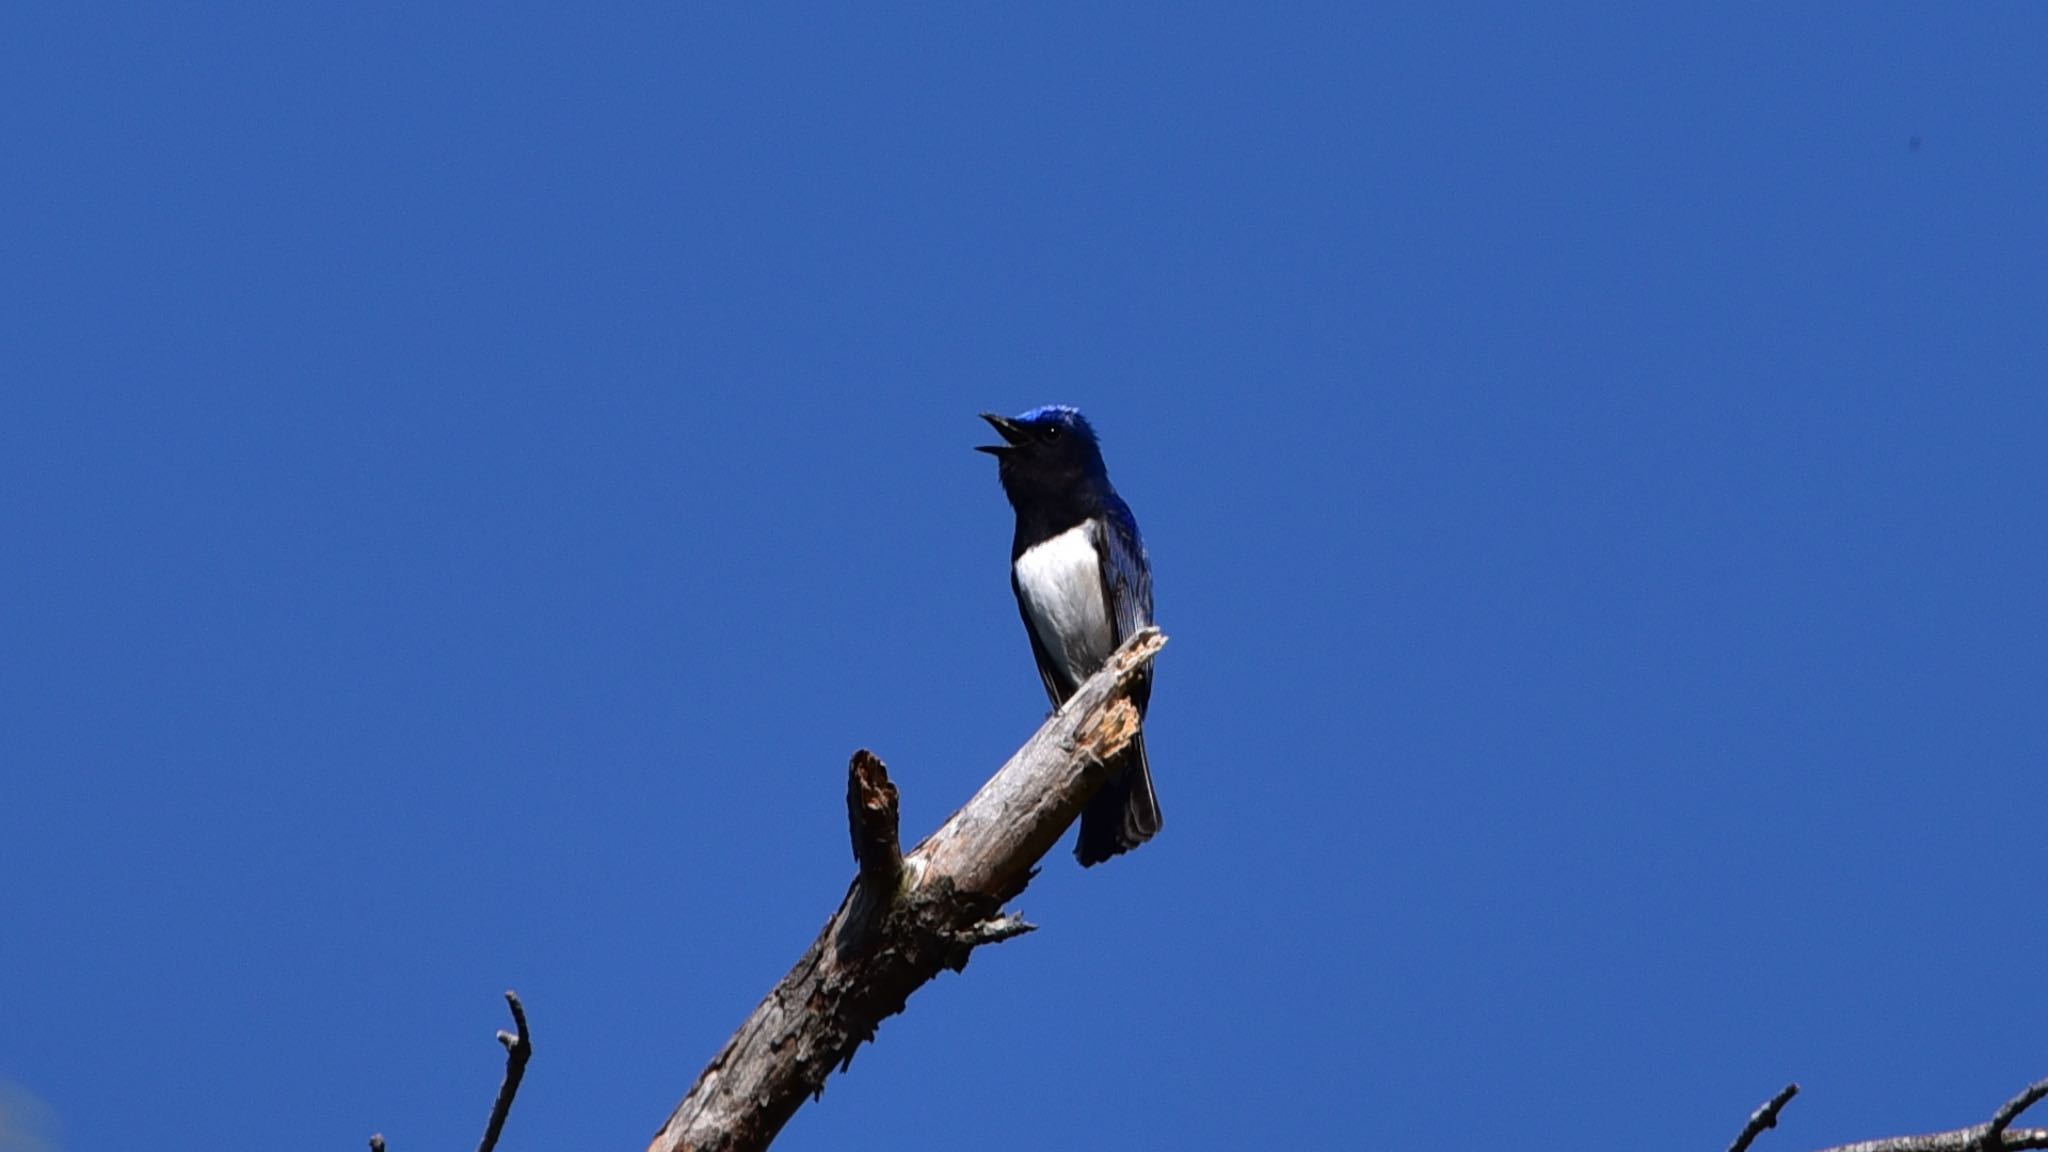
1764	1118
1004	927
1144	644
872	818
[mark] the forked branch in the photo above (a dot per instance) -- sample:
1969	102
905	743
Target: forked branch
1996	1135
907	918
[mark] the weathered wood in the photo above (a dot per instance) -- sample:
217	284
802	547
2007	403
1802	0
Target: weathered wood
883	944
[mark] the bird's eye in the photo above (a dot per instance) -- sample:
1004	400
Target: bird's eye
1052	432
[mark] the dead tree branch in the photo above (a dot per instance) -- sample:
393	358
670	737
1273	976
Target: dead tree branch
518	1050
1998	1135
907	918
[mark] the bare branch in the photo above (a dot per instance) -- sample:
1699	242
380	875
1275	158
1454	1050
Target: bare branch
2008	1112
518	1050
905	919
1764	1118
1997	1136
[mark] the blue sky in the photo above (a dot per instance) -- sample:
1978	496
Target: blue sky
472	475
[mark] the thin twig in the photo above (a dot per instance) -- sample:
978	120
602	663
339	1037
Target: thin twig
1001	928
518	1050
1764	1118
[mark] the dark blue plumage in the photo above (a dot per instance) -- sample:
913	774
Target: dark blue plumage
1083	586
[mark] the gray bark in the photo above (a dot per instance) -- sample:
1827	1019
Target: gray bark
907	918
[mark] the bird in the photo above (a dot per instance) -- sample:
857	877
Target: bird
1084	586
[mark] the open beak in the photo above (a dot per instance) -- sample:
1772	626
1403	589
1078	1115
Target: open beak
1012	433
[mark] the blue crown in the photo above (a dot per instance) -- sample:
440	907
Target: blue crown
1065	414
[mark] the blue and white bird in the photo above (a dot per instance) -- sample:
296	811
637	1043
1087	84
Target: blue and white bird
1083	586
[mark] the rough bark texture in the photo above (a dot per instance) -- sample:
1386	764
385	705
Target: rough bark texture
905	919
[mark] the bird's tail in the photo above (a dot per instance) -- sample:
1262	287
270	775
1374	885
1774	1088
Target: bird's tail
1123	814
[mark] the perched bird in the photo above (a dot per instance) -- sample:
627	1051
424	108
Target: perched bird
1083	586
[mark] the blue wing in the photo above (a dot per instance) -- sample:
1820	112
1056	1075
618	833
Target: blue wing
1125	812
1127	576
1126	571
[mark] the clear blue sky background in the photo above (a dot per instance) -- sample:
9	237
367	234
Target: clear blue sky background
469	478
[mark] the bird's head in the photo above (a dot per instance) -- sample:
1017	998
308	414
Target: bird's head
1046	448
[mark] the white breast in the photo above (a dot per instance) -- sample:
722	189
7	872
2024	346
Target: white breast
1061	584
